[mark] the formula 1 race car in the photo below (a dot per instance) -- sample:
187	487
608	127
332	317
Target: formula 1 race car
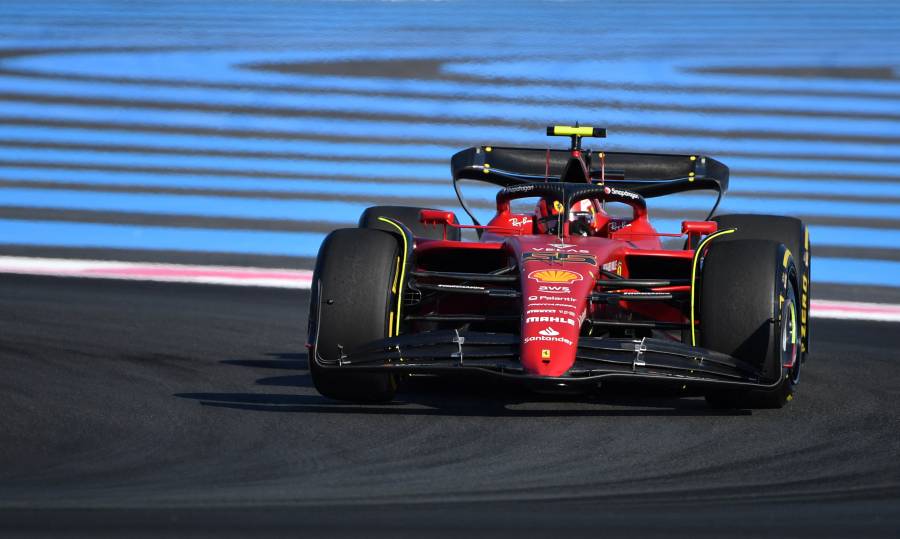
558	293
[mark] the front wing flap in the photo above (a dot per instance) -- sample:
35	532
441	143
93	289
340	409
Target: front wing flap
597	358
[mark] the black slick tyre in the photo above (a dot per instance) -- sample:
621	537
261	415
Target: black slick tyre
350	305
748	309
409	216
790	231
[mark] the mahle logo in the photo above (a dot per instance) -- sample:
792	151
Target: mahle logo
554	276
552	319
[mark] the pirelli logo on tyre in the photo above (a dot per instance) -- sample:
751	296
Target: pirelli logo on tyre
554	276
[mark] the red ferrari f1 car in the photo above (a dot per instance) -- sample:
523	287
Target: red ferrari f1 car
558	293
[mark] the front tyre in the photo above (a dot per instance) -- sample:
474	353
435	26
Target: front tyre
749	310
793	233
350	305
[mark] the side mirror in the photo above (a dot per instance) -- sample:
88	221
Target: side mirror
696	229
437	217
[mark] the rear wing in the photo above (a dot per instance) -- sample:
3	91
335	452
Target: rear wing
649	174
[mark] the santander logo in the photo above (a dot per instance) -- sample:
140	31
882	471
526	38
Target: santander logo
549	332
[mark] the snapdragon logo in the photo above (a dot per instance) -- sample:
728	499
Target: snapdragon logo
621	193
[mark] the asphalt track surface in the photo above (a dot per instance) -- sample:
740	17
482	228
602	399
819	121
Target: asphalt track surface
147	408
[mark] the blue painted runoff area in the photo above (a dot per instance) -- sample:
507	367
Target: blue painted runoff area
314	210
306	244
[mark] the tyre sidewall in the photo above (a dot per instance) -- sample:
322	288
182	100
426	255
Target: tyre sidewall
744	287
350	305
794	234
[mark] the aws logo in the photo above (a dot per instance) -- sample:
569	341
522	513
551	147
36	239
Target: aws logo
554	289
554	276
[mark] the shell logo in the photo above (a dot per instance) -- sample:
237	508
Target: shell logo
554	276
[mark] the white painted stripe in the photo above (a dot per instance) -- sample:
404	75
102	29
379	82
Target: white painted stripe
851	310
302	280
140	271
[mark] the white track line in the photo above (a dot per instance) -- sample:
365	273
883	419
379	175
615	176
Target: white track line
173	273
302	279
852	310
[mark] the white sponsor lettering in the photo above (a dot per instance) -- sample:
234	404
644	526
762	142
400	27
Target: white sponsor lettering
541	311
617	224
611	265
557	319
549	332
555	289
626	194
561	245
554	298
548	339
519	222
621	193
564	310
548	250
557	312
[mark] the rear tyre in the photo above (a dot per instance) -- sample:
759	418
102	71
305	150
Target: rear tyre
409	216
794	235
350	305
748	309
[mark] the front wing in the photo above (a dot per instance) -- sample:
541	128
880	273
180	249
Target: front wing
597	359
